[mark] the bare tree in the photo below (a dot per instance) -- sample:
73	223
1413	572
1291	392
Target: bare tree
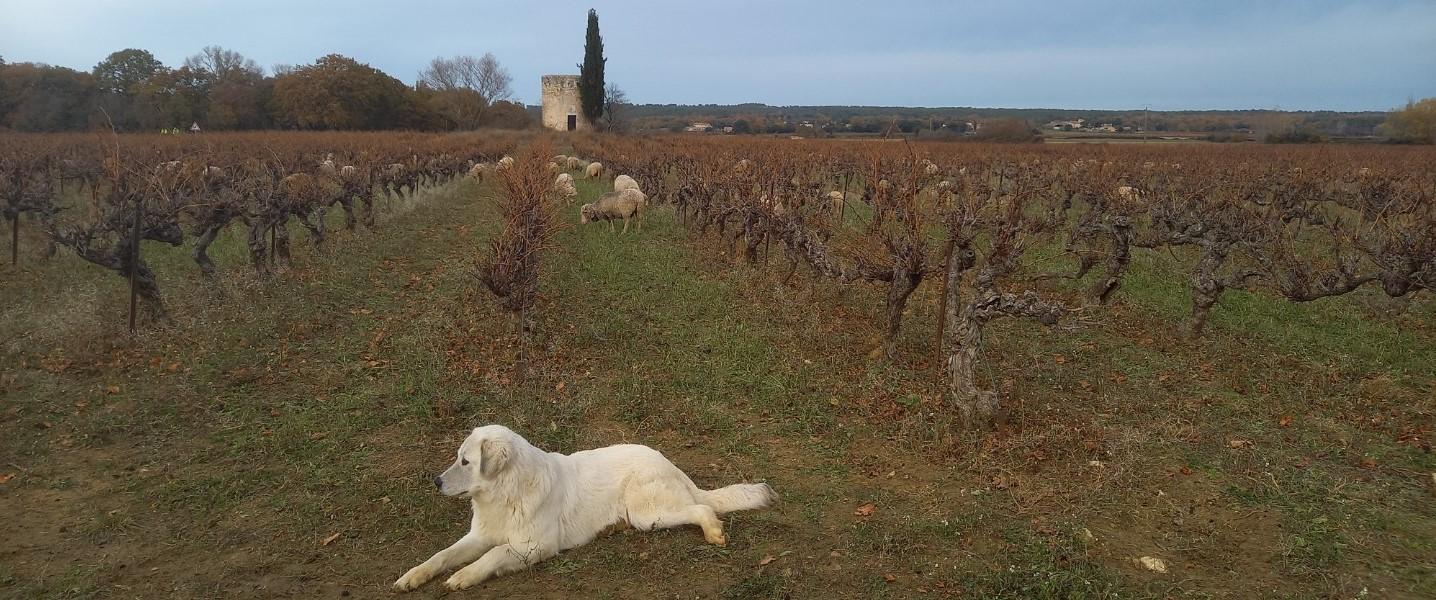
467	86
615	108
223	64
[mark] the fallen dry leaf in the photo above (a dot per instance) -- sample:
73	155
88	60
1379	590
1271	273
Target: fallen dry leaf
766	559
1059	359
559	387
1284	421
6	477
889	577
1240	443
330	539
866	510
112	389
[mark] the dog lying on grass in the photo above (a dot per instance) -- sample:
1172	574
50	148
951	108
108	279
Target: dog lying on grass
530	505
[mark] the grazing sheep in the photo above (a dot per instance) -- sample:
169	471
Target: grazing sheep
479	171
348	171
506	162
593	170
574	163
1127	192
624	182
929	167
627	204
327	167
563	186
560	160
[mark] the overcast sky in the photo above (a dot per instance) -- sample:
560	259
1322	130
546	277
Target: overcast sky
1118	54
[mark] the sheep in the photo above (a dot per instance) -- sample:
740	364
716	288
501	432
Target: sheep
348	171
560	160
627	204
574	163
479	171
624	182
593	170
506	162
1127	192
929	167
742	166
563	186
327	167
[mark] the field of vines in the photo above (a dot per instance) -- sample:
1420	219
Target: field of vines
1303	224
230	364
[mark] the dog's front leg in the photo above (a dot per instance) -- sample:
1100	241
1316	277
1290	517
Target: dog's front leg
500	560
466	549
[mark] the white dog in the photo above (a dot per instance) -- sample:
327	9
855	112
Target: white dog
530	504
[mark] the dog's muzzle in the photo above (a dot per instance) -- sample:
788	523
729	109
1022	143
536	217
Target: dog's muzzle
439	482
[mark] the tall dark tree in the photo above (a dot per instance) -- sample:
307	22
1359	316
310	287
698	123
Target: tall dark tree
590	74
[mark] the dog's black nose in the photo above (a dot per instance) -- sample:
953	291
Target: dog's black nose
439	482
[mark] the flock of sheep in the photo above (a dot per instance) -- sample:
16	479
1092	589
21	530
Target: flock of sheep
626	202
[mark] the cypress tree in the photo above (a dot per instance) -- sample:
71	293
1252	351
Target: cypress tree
590	75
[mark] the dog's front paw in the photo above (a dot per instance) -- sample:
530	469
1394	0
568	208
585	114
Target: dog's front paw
416	577
461	581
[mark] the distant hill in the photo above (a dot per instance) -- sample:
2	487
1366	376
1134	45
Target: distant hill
764	118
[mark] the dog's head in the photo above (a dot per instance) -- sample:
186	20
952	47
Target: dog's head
483	456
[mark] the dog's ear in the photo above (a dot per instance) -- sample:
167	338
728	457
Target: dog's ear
494	456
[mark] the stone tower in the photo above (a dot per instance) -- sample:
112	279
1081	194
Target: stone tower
561	108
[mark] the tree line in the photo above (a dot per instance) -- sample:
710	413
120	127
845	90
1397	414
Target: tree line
220	89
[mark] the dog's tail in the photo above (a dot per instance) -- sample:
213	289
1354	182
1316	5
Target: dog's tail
739	496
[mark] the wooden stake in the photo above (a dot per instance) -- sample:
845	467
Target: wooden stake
135	260
15	240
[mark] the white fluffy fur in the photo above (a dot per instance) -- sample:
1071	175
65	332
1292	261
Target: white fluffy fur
624	182
530	505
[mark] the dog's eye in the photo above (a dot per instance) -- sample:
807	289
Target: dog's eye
464	461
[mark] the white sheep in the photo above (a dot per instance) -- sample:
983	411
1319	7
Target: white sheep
574	163
624	182
929	167
1127	192
593	170
563	186
506	162
627	204
479	171
348	171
